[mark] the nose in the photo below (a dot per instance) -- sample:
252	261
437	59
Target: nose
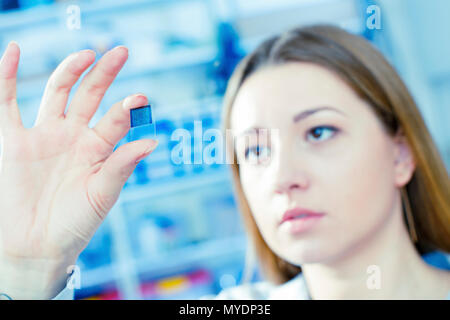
289	185
290	175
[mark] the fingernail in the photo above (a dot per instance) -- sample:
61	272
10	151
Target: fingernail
141	157
118	47
153	144
127	103
147	151
9	46
12	42
87	51
82	57
8	60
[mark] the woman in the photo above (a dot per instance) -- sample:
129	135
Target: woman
321	194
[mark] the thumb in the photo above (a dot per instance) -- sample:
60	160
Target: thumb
105	186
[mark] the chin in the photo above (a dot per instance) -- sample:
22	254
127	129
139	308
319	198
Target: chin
304	253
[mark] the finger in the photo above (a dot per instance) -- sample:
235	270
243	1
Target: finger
94	85
61	82
116	122
9	111
105	186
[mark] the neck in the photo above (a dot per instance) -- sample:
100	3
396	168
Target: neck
386	266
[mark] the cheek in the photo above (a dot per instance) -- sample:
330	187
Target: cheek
258	198
251	185
360	183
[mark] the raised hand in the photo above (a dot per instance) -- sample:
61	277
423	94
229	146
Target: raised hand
59	179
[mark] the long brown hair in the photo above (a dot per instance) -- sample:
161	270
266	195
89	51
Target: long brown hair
426	198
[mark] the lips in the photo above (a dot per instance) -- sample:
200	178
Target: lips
299	213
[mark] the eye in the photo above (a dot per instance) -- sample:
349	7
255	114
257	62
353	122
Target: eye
321	133
257	154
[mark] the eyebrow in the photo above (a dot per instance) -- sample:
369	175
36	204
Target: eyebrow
298	117
306	113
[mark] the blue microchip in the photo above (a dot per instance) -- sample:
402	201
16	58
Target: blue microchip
141	116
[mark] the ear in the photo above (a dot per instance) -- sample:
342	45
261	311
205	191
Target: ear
404	163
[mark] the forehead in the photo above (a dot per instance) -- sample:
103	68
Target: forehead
277	93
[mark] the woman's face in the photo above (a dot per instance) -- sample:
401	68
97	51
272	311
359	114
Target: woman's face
326	152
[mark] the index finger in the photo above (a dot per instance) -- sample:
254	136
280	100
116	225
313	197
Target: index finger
94	85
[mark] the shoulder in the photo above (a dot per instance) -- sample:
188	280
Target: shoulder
293	289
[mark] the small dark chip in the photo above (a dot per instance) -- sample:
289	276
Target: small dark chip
141	116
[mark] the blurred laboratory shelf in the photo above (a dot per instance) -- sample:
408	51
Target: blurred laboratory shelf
210	253
255	21
136	192
52	13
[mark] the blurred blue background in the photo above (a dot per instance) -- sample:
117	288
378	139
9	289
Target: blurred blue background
175	231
